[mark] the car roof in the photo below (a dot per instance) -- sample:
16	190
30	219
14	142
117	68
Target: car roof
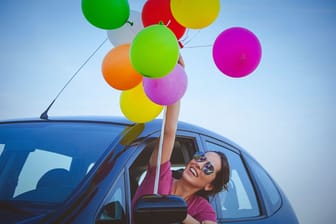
150	127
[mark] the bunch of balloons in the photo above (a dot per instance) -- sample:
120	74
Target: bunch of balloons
143	64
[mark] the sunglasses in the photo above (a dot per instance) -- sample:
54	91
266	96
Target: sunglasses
208	168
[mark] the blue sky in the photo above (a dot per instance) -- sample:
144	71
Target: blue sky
283	113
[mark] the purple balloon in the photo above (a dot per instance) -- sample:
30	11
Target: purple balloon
168	89
236	52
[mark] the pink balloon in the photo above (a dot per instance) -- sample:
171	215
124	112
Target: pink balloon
236	52
168	89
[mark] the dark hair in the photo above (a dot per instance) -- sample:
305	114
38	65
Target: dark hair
222	177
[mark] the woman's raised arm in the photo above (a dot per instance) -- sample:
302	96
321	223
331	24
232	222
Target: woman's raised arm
170	127
172	114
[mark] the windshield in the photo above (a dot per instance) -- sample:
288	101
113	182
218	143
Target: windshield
43	162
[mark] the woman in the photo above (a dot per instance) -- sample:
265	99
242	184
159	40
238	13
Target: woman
205	174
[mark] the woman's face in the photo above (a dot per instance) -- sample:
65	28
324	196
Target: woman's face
201	171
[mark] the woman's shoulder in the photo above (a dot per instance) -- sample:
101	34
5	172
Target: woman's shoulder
201	209
199	200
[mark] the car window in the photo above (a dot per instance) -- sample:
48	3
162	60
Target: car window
240	200
117	193
269	190
37	164
184	148
45	161
2	146
114	206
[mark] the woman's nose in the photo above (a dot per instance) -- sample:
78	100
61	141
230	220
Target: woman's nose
200	164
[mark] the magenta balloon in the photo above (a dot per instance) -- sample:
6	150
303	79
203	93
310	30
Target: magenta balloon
236	52
168	89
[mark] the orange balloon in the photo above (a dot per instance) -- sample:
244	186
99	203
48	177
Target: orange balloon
117	69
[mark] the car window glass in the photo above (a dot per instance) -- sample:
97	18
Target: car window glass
37	164
118	192
2	146
240	200
90	167
113	207
45	161
269	189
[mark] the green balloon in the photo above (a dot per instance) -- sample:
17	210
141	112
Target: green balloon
154	51
106	14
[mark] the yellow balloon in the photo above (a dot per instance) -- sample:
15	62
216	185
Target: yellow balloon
195	14
137	107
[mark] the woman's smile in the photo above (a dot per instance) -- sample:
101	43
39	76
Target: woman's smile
193	171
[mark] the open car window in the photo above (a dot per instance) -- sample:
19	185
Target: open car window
184	148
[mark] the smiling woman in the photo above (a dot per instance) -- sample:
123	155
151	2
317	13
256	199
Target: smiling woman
207	173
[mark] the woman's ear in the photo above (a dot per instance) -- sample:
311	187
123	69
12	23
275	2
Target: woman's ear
208	187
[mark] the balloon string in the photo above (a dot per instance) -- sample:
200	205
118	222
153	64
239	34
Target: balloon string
188	37
130	22
209	45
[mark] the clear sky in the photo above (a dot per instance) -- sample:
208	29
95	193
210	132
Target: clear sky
283	113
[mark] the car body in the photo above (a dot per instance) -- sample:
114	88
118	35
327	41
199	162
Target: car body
74	169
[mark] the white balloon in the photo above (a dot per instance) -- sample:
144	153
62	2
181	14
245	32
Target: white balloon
127	32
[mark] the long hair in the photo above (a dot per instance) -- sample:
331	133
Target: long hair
222	176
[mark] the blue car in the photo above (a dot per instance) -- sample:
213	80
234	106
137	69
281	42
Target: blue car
87	169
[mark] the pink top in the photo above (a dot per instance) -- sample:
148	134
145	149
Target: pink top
198	207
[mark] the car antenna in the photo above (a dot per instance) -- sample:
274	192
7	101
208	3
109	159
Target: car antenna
44	115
